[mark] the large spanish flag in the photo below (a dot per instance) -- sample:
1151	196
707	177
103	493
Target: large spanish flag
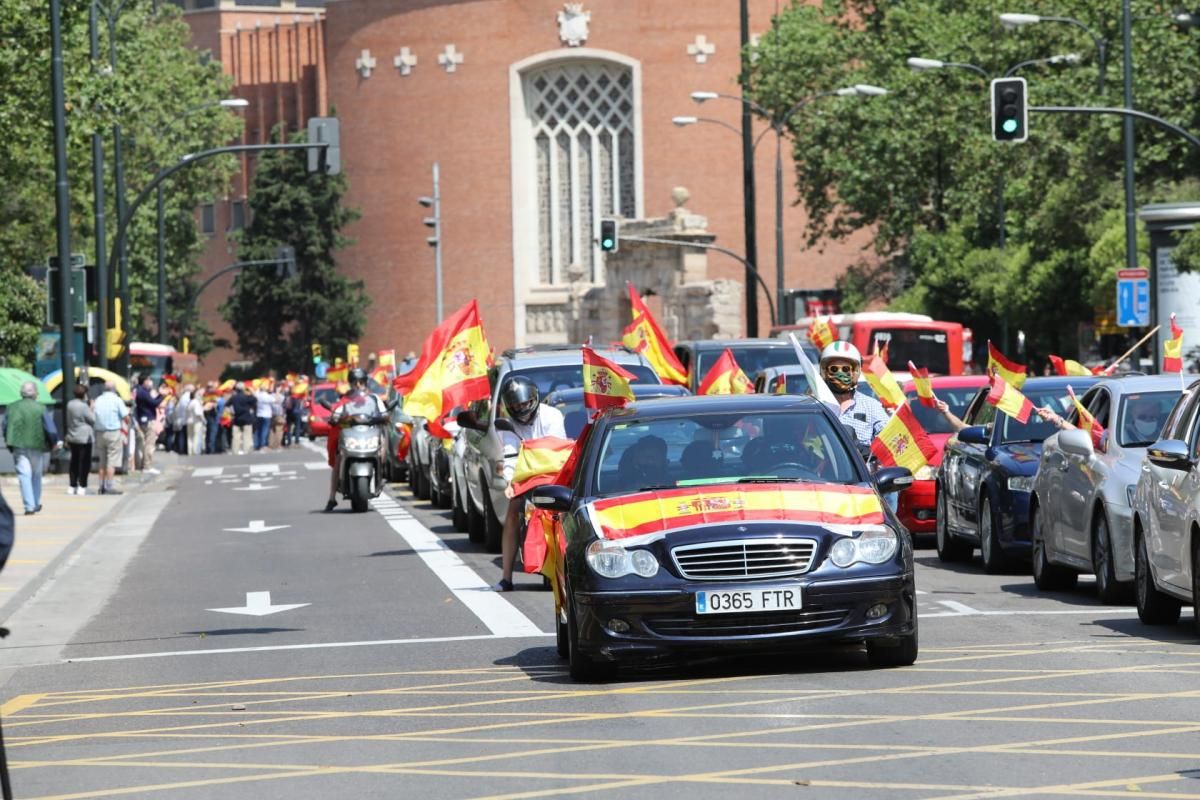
1173	349
726	377
920	378
1067	366
669	509
1086	421
539	461
1007	398
605	384
1012	373
821	332
644	336
903	442
452	369
881	379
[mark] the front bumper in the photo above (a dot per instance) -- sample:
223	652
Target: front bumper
918	507
663	622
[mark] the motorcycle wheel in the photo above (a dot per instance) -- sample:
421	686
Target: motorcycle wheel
360	493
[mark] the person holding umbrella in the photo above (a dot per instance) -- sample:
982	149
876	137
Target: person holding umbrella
30	433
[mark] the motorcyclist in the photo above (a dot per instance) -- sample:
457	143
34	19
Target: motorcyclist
530	420
841	365
356	392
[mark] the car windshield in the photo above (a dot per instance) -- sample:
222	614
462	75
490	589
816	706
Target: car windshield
701	449
575	414
796	383
570	376
326	395
1036	429
1143	416
751	358
926	347
931	419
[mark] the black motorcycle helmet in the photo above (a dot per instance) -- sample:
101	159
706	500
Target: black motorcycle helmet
521	398
358	378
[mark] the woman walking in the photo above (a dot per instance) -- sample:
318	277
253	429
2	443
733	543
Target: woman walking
80	435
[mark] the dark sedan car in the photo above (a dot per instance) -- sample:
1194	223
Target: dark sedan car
727	524
987	474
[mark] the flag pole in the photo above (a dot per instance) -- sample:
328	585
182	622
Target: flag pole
1131	350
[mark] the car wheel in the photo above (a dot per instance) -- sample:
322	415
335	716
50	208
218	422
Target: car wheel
421	484
561	635
949	548
474	521
493	528
899	652
458	515
581	667
995	560
1153	607
1047	576
1108	588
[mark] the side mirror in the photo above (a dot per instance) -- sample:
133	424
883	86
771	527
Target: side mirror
468	420
1077	443
974	434
503	424
551	498
1170	454
893	479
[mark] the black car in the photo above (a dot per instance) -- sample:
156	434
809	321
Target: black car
727	524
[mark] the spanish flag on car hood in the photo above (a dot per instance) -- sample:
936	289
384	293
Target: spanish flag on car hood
1012	373
605	385
726	377
644	336
452	369
903	442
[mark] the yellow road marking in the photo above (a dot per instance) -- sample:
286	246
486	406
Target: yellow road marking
19	703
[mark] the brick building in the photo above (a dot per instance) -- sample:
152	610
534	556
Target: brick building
542	116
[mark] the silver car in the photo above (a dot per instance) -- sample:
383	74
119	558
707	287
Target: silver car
1080	507
1166	518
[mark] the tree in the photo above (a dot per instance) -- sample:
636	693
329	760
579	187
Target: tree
918	167
275	320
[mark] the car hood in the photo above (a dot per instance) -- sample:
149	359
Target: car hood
835	507
1019	458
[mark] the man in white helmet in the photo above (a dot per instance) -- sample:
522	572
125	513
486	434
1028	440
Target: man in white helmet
841	364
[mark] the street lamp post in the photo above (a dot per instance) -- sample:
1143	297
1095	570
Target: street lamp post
62	203
435	204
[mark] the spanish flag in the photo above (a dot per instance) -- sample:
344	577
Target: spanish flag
1086	421
1012	373
1173	349
452	369
726	377
338	374
386	358
380	375
821	332
886	387
299	388
172	383
605	385
227	386
920	378
903	442
1005	397
539	462
1066	366
644	336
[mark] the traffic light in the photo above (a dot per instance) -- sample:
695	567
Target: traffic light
286	258
327	131
316	353
608	235
1010	114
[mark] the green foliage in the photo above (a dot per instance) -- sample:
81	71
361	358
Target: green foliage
163	94
919	170
275	320
22	312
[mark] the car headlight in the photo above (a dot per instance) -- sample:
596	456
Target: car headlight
610	560
925	473
868	547
1023	483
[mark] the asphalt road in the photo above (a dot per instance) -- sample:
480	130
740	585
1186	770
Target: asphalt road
388	670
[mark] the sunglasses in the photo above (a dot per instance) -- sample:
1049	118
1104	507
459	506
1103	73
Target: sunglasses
834	369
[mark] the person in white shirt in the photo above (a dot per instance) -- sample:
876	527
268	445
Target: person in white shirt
530	420
263	411
195	422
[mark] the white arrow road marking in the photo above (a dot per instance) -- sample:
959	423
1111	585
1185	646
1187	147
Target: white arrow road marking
254	487
258	604
257	526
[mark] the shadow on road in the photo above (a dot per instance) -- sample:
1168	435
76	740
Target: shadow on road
403	552
240	631
1182	632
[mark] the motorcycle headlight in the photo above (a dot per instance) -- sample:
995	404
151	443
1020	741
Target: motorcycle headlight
1023	483
868	547
610	560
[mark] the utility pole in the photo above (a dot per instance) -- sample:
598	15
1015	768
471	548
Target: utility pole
749	198
98	202
435	241
62	203
1130	151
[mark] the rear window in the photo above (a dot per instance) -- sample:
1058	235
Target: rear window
927	348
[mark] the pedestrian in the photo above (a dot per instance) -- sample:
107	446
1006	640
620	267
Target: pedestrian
212	417
180	413
145	404
263	412
289	417
80	434
195	422
110	412
243	406
30	433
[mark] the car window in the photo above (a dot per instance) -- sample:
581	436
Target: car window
1142	415
980	412
570	376
326	395
751	358
702	449
1190	429
931	419
1099	405
1182	417
973	406
1036	429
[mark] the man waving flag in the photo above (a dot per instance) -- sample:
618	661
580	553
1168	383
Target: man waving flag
605	385
726	377
644	336
539	462
452	369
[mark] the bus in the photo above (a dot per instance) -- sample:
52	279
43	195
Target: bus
943	348
157	360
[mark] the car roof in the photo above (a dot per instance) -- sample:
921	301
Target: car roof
951	382
717	404
1059	382
784	369
721	344
647	390
561	356
1130	383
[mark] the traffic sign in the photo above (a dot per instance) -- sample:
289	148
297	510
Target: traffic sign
1133	300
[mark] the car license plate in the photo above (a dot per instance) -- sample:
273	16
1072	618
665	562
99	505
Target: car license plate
740	601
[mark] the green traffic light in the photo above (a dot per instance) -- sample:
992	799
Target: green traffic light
1010	126
606	244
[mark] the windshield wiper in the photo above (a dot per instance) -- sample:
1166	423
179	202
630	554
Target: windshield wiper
777	479
656	487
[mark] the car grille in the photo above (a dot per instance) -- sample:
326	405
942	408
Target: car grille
744	624
746	559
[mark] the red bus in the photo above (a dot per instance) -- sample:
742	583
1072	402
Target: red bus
156	360
943	348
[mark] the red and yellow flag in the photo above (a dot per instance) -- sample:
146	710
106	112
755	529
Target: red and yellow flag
881	379
299	388
227	386
171	382
1173	349
903	442
1012	373
1007	398
386	358
605	385
338	374
1067	366
452	369
920	379
644	336
821	332
726	377
380	375
1086	421
539	461
664	510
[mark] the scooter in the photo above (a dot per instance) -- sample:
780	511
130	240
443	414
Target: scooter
361	452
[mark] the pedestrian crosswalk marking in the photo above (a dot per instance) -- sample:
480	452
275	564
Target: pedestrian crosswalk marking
260	469
207	472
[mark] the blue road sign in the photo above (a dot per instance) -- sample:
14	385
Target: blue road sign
1133	302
